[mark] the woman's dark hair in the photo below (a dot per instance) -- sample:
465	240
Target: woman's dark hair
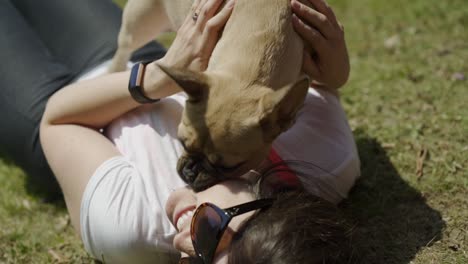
298	228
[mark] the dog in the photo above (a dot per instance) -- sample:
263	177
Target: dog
249	94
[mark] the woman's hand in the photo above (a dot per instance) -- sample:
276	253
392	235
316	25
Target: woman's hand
325	56
198	35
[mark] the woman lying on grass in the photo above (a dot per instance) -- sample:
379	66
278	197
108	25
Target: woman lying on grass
115	160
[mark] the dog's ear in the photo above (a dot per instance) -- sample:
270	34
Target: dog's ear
278	109
195	84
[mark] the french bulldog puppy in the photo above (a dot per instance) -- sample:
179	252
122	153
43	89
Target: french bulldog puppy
249	94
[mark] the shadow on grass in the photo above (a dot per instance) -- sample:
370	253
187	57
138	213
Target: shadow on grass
42	186
392	220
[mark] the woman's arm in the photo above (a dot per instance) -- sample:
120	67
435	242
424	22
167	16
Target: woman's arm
326	58
69	130
95	103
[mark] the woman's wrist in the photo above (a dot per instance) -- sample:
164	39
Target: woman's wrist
157	84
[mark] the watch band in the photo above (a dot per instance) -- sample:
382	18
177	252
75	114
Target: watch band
135	84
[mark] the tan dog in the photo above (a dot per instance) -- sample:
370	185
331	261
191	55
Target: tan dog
249	94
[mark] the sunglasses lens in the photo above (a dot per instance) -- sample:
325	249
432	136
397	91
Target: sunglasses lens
207	225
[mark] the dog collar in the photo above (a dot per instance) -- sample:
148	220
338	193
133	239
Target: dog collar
285	174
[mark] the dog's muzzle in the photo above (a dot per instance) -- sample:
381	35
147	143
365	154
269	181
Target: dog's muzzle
197	172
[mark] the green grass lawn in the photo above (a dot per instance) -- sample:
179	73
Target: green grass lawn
407	104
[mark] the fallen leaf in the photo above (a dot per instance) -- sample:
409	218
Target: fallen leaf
26	204
443	52
412	30
454	247
458	76
388	145
392	42
415	77
62	223
457	165
422	154
57	256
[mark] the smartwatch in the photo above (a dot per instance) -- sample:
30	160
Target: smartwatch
135	85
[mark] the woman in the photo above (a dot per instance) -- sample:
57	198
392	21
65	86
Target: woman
117	183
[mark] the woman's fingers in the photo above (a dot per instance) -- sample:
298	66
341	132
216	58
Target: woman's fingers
214	26
322	7
309	66
311	35
313	18
207	12
216	23
326	58
198	36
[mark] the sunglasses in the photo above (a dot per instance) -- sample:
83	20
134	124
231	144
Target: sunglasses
208	225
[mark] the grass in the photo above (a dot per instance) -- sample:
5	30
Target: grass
407	96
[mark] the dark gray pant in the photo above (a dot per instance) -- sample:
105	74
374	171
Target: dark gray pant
43	46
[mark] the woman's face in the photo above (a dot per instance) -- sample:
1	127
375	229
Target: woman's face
182	203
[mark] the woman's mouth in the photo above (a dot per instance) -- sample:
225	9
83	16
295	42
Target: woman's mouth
181	218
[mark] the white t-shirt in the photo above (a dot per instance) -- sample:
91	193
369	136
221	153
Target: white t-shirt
123	218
